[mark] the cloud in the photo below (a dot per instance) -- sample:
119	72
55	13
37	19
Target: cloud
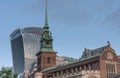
113	19
112	22
70	13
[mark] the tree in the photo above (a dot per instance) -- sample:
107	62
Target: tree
6	72
15	76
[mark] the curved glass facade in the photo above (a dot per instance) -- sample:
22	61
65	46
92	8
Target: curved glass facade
25	43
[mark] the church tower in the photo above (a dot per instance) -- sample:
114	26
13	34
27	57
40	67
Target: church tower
47	56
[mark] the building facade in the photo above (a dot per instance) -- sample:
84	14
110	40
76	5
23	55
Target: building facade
98	63
25	43
60	60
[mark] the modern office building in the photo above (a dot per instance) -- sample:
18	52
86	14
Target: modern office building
25	43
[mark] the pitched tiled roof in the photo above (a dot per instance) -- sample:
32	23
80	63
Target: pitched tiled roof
89	52
89	57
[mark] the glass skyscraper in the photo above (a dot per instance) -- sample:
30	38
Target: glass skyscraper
25	43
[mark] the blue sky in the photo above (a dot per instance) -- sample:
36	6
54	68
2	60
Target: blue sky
75	24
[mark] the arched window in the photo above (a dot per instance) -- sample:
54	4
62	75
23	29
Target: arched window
48	60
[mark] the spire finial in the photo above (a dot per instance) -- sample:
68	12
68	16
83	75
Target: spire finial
46	16
46	2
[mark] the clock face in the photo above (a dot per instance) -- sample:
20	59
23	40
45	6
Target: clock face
109	55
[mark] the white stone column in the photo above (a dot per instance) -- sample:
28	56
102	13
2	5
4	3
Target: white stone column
84	67
76	69
89	67
80	68
53	75
72	70
57	74
61	73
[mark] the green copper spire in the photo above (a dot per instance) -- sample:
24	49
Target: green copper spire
46	15
46	39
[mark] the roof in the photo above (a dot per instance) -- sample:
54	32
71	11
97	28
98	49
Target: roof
66	64
90	55
89	52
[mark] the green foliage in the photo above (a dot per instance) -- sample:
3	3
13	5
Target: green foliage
15	76
6	72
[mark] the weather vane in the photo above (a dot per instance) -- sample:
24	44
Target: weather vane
108	42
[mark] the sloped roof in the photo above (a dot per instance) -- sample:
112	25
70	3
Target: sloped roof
93	54
89	52
66	64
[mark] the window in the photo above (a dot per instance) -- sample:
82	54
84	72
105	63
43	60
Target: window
110	69
48	60
109	55
47	42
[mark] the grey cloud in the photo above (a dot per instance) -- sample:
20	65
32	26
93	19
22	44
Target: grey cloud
70	13
113	19
78	17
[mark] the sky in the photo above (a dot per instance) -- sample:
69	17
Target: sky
75	24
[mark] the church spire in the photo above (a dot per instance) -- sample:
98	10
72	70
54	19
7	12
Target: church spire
46	15
46	56
46	38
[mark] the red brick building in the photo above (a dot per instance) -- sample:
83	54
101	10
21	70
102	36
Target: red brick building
99	63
